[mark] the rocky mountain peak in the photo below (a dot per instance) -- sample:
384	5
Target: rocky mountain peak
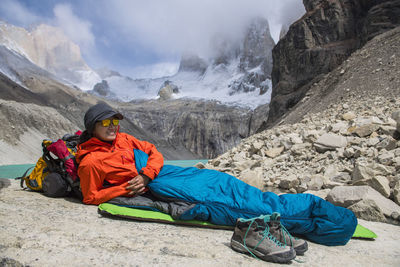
49	48
257	47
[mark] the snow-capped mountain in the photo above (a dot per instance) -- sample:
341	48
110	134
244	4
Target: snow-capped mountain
49	48
238	74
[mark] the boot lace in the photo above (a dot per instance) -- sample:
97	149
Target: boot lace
266	233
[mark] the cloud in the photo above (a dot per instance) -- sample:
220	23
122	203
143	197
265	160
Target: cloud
17	14
173	26
77	29
161	69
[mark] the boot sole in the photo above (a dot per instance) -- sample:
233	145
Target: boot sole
300	250
283	257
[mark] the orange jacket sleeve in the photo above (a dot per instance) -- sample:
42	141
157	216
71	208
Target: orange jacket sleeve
92	184
155	160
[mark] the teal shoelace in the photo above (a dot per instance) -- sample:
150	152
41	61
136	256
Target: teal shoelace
266	233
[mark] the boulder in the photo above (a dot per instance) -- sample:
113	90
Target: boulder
319	193
245	164
386	157
348	116
299	149
289	182
396	117
379	183
388	143
200	165
346	196
340	127
329	141
341	177
366	130
366	171
253	178
316	182
368	210
167	90
396	193
256	146
274	152
387	130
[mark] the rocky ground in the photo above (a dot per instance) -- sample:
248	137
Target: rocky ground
40	231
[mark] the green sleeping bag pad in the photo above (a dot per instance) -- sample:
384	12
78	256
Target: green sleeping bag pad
155	216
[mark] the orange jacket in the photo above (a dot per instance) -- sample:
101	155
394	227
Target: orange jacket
115	163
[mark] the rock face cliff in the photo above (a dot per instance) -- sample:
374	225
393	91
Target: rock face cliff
206	128
320	41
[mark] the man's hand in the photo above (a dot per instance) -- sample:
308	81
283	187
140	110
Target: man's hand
137	185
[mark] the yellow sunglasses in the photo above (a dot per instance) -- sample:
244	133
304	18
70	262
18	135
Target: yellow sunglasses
107	122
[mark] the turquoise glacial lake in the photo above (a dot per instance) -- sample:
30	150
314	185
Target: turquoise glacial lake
12	171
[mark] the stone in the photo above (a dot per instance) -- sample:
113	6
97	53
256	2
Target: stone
253	178
373	141
396	116
287	144
274	152
346	196
341	177
386	158
366	130
396	163
395	216
200	165
311	135
239	156
387	130
167	90
329	141
289	182
348	116
316	182
379	183
256	146
319	193
302	187
352	152
388	143
365	171
368	210
340	127
299	149
330	171
363	121
396	193
295	138
245	164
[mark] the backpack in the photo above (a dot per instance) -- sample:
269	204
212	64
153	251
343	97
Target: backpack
55	173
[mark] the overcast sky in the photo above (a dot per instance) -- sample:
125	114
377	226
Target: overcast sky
145	38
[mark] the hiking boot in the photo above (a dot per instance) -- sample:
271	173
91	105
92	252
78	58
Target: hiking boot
281	234
253	237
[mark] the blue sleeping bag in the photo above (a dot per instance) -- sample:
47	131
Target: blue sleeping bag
221	198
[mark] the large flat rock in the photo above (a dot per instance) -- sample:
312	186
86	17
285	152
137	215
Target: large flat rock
40	231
